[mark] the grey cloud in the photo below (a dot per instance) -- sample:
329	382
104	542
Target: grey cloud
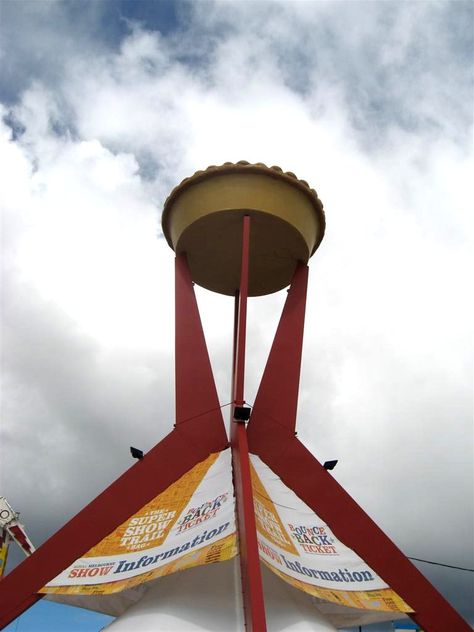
38	39
70	411
405	66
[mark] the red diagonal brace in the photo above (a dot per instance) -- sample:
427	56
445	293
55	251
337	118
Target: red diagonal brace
271	436
195	437
196	394
277	397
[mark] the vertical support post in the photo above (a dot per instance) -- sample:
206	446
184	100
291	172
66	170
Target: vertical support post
254	609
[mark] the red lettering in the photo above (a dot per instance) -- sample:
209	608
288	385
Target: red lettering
105	570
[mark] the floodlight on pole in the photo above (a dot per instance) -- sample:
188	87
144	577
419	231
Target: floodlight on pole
136	453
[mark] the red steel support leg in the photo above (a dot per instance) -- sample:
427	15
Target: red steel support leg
277	398
254	609
198	414
199	431
271	436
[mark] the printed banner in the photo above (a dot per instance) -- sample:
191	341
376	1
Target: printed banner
299	547
189	524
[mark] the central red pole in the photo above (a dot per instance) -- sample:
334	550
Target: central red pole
252	591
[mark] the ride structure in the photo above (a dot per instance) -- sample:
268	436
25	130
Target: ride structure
242	230
11	529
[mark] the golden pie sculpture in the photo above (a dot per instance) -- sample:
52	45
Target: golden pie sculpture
202	217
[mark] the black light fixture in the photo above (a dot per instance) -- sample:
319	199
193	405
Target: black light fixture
330	465
241	414
136	453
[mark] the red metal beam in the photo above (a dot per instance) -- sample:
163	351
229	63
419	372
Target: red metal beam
195	437
254	608
196	394
282	371
271	436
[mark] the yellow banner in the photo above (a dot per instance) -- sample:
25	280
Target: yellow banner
189	524
301	549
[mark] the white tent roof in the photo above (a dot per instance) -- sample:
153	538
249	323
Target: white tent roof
209	598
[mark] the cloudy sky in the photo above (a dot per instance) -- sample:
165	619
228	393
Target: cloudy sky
105	106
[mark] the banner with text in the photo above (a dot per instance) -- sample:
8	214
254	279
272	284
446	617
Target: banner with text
299	547
191	523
